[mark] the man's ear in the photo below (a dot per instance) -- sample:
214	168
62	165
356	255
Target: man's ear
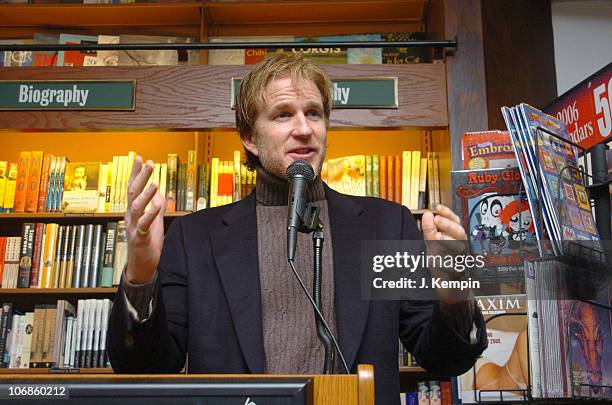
249	143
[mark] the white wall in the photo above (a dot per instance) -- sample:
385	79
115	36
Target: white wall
582	32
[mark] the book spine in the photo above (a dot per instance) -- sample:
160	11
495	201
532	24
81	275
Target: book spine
190	181
97	329
89	325
7	309
60	185
415	170
28	333
114	184
237	181
2	255
23	170
390	178
95	256
33	186
171	187
53	166
44	183
87	248
58	256
26	256
75	362
102	176
103	330
51	231
70	258
78	260
49	339
383	177
38	336
423	184
39	231
3	180
120	258
214	181
109	255
67	340
369	176
397	179
64	256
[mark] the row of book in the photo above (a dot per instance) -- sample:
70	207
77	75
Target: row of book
55	336
411	179
323	55
41	182
64	256
429	393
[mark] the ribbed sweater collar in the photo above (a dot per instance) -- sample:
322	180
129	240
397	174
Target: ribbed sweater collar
271	190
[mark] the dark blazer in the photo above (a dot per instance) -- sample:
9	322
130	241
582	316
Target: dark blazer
208	301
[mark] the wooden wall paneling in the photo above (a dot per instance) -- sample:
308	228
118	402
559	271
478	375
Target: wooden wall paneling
198	97
519	55
467	104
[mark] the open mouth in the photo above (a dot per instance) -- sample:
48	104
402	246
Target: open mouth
302	153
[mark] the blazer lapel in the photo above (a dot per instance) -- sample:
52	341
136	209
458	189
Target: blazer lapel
235	254
348	230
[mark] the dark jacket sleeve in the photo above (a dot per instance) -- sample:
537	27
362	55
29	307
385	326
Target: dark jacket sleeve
425	332
159	344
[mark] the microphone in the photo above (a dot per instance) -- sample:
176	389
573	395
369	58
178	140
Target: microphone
299	174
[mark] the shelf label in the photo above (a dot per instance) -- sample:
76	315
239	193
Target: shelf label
353	93
43	95
586	109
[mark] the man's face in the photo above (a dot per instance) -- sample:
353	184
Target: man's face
290	126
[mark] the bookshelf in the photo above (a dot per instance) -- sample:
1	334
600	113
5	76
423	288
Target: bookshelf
186	107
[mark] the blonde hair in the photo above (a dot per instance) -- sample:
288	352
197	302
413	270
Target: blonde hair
252	91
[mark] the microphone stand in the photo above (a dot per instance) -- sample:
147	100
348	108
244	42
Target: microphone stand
317	246
310	223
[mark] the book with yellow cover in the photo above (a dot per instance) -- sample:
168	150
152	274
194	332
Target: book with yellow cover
3	181
11	185
347	175
50	243
81	187
414	179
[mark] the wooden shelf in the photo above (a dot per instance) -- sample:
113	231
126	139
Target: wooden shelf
314	17
413	370
58	215
300	18
22	21
28	371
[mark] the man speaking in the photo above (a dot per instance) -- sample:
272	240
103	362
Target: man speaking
218	286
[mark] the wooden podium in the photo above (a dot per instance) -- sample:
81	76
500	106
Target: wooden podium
314	389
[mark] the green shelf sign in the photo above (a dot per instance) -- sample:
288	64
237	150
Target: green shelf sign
353	93
67	95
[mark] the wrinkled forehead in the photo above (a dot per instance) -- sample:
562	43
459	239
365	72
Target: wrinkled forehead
302	85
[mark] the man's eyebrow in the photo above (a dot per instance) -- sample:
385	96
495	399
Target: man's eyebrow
309	105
